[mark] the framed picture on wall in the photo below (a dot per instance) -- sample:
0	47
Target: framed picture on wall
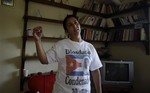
7	2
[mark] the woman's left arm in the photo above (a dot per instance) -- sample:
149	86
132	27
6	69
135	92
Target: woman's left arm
96	75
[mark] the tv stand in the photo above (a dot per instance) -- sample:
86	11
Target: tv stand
108	88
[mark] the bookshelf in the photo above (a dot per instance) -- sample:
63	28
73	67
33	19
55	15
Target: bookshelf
137	24
75	10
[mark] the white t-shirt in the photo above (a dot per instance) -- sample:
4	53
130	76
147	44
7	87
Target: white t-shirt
75	59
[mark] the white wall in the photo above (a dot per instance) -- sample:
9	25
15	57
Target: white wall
11	27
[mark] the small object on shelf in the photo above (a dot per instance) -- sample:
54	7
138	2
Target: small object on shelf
29	32
25	72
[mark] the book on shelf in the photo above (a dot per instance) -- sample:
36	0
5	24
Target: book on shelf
121	35
95	21
126	20
83	19
131	19
127	34
139	18
83	33
130	35
109	22
91	20
99	20
96	6
103	23
143	34
93	32
88	20
87	4
124	35
103	9
96	35
88	34
105	36
109	9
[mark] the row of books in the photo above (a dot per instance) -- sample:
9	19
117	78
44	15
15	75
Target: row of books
127	35
125	20
107	8
112	8
94	5
93	20
95	35
112	22
114	35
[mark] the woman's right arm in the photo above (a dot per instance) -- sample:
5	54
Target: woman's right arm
37	34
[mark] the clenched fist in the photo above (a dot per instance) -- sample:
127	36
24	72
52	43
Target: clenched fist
37	33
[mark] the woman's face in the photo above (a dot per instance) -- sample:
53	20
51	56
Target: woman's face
73	27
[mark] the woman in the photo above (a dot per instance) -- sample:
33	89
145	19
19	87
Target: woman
75	58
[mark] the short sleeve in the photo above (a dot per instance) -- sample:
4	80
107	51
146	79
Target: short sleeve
95	60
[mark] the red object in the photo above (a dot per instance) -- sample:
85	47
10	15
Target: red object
41	83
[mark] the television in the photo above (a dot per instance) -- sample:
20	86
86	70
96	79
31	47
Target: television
117	72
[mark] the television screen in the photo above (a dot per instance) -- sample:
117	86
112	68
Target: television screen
117	72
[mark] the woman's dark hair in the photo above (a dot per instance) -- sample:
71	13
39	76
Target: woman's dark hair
65	20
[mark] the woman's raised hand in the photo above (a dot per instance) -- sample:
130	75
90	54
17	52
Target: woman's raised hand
37	33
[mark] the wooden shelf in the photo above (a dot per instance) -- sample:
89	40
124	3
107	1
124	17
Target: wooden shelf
68	7
56	38
42	19
58	21
44	38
